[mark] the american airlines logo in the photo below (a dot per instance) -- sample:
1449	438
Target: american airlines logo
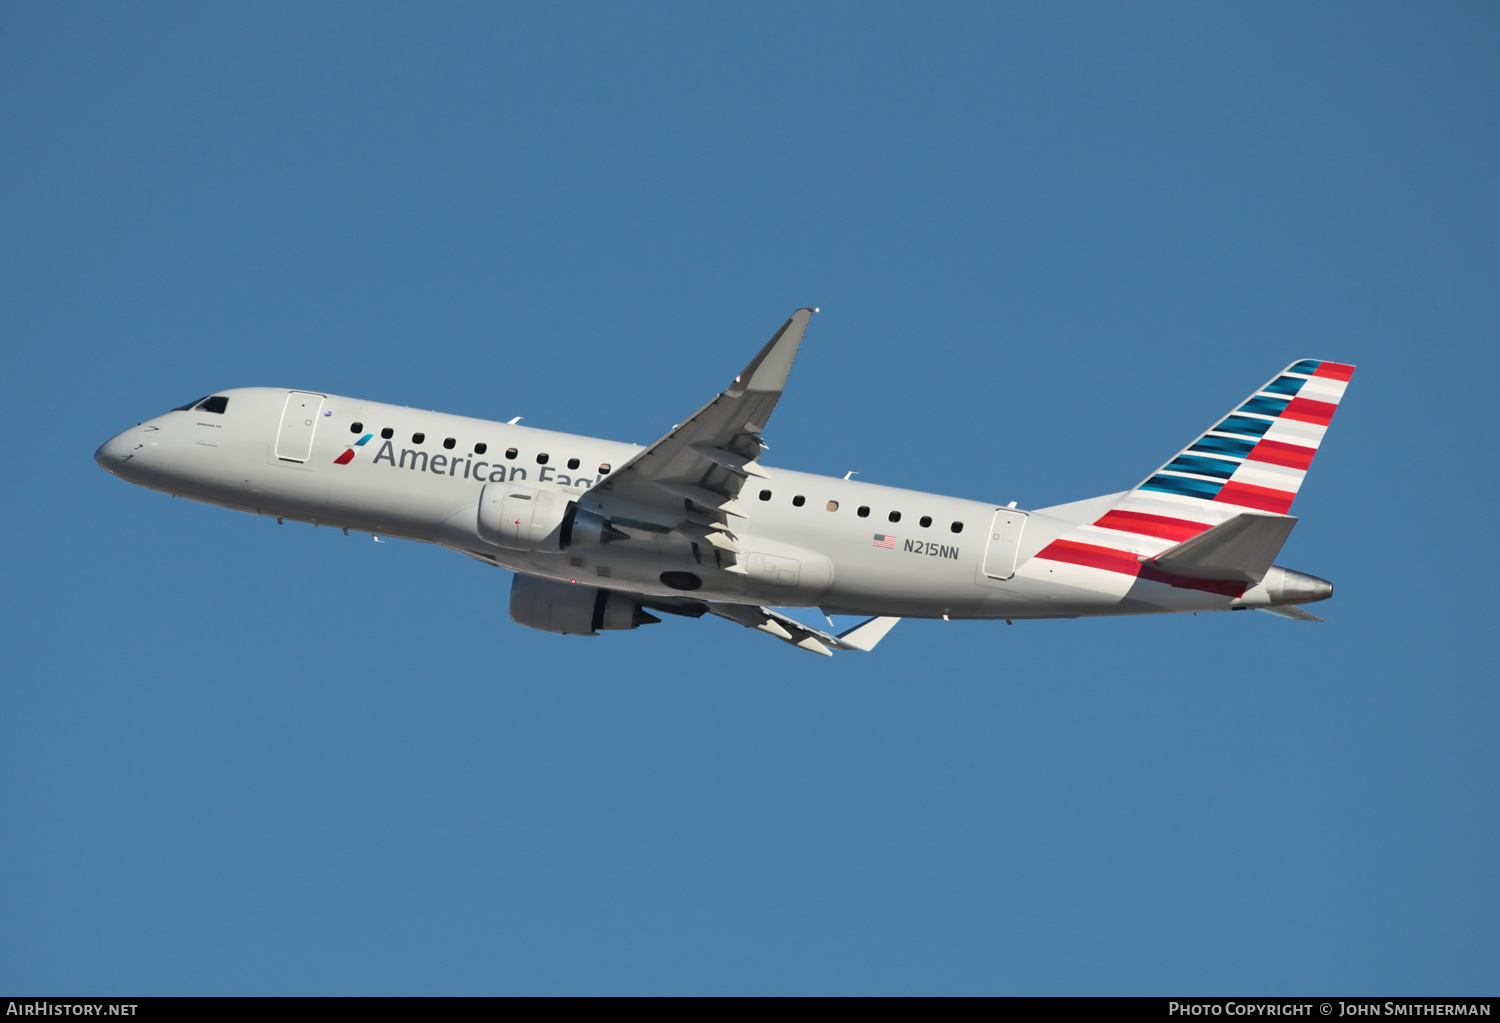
348	455
461	466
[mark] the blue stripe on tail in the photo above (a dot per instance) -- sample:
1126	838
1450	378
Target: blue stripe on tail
1206	489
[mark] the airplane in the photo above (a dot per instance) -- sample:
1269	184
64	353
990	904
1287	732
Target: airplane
600	534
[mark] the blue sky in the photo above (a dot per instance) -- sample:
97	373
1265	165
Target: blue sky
1051	243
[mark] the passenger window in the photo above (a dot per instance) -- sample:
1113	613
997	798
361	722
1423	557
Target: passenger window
542	459
765	495
418	438
894	516
387	433
863	511
572	463
481	448
217	404
833	506
510	452
448	443
603	468
798	501
356	427
957	527
925	521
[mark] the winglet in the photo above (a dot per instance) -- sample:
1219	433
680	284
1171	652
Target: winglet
769	370
866	634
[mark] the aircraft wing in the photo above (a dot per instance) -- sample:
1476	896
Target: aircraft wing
690	480
772	622
863	636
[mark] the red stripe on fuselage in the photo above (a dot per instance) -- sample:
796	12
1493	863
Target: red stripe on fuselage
1293	456
1248	495
1090	556
1162	527
345	458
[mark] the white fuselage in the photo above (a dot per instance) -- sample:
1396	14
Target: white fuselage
810	541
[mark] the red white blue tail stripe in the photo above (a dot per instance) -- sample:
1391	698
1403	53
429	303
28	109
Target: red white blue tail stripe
1257	456
1254	459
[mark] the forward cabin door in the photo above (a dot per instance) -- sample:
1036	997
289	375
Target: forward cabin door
299	419
1004	541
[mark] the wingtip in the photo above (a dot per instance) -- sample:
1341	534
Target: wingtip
769	370
866	634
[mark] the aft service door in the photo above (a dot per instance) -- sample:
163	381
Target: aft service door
1004	540
298	421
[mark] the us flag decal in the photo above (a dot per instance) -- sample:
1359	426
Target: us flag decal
888	542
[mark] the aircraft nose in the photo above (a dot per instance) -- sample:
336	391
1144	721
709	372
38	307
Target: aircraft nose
114	453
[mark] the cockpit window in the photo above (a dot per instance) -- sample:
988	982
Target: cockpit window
218	403
190	405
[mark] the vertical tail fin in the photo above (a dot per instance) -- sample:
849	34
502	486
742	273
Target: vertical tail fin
1253	460
1257	456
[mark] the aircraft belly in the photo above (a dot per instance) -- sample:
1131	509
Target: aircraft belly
905	580
1085	591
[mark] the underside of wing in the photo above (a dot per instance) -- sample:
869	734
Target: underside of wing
772	622
863	636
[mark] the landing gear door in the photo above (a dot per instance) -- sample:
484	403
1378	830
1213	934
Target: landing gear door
1003	543
299	418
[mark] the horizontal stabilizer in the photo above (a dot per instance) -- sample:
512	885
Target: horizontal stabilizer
1292	612
1240	549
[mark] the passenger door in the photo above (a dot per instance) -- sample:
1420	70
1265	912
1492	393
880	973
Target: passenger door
1004	541
299	419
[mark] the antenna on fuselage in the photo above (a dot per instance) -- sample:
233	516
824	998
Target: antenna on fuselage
851	472
514	421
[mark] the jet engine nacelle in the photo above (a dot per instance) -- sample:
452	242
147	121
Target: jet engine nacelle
524	518
571	609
